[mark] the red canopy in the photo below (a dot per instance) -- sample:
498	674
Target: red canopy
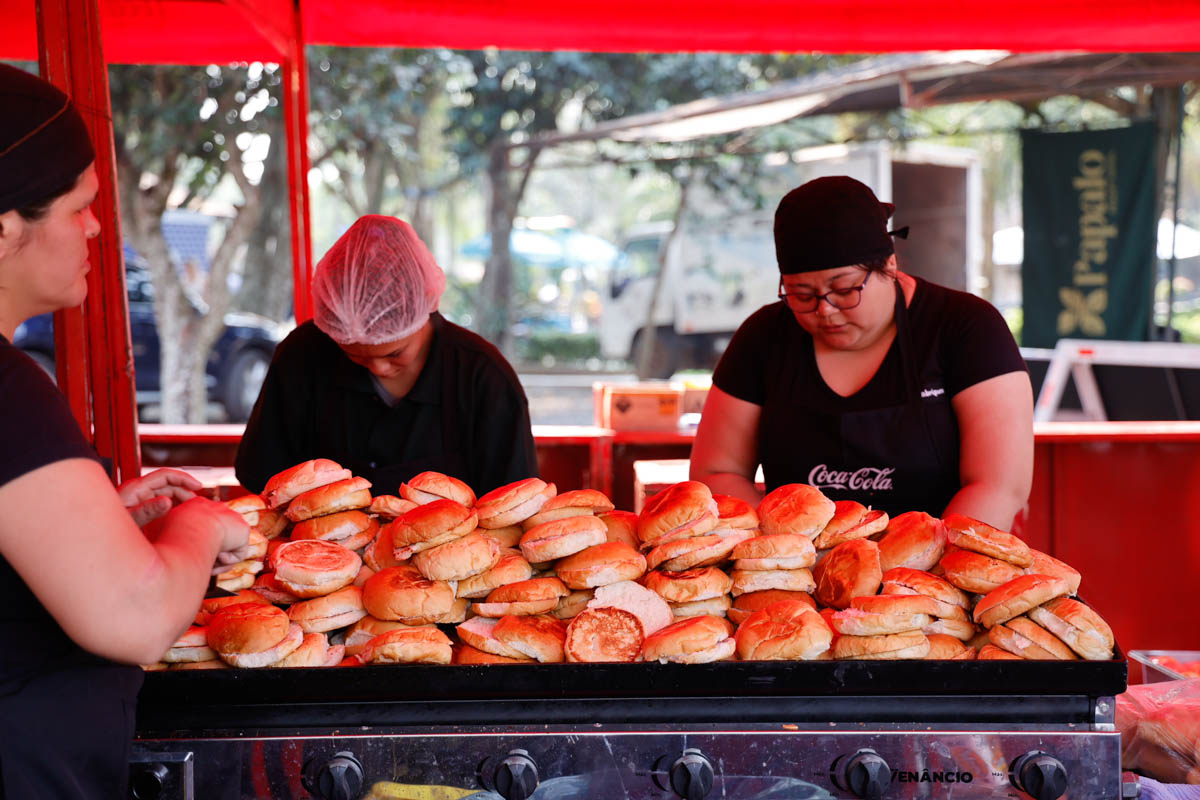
195	31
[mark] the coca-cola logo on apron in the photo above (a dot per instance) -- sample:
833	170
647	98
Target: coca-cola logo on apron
866	479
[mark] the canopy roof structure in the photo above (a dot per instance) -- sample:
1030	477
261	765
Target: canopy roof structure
203	31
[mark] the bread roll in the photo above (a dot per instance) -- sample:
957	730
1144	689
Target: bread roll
1079	626
459	559
429	486
562	537
330	612
891	647
602	635
1016	597
690	585
736	513
976	573
513	503
694	640
539	637
294	481
342	495
311	567
850	570
409	646
579	502
914	540
696	551
795	508
979	537
851	520
404	595
677	512
785	631
601	564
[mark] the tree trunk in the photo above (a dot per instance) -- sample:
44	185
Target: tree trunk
495	303
645	355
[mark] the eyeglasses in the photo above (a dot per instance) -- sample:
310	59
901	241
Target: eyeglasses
841	299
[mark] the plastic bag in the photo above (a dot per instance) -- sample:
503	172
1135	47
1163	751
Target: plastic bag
1160	730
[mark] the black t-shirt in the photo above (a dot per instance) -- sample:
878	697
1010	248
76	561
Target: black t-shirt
960	336
894	444
66	716
316	403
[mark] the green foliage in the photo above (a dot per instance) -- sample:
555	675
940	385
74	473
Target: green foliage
556	348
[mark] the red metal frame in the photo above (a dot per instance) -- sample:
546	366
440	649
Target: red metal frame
95	358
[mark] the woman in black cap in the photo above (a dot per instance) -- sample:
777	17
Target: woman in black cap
84	594
865	382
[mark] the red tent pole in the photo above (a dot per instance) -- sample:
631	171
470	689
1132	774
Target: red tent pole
95	358
295	109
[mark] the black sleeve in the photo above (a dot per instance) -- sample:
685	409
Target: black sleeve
276	435
36	424
976	344
502	445
743	365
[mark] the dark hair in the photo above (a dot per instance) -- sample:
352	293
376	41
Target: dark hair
36	209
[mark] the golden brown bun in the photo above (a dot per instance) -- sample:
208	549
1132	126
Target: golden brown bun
578	502
409	646
989	652
606	634
685	509
971	534
713	607
366	629
976	573
340	495
429	486
866	622
1083	630
696	551
271	523
190	647
850	570
314	651
465	654
294	481
785	631
539	637
562	537
311	567
322	614
404	595
200	665
1016	597
781	551
247	628
533	596
734	512
957	628
694	640
570	605
896	604
904	580
601	564
480	633
271	590
239	576
759	580
511	567
1045	564
650	609
457	612
851	520
746	604
249	506
509	536
622	527
389	506
690	585
795	508
1027	638
381	553
944	648
914	540
429	525
460	559
353	530
211	605
890	647
513	503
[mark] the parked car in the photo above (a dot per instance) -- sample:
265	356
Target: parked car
236	365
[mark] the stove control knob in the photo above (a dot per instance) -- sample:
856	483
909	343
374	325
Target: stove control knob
692	775
867	775
146	781
1041	776
517	777
339	778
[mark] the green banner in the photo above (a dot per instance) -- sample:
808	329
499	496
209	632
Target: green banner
1089	234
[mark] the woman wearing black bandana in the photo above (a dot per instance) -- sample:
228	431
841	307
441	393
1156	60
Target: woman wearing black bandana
84	594
871	384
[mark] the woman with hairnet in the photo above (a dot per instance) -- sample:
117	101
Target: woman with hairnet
381	383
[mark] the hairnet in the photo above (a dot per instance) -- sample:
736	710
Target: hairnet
378	283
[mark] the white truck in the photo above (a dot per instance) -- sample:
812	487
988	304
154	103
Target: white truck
721	265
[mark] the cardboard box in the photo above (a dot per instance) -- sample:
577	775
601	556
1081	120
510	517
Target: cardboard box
640	407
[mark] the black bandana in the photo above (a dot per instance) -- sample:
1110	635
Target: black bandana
44	143
831	222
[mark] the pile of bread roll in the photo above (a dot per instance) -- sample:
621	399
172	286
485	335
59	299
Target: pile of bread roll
526	575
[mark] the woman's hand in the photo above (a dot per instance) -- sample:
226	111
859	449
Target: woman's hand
149	497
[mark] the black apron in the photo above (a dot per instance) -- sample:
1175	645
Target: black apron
898	458
386	478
